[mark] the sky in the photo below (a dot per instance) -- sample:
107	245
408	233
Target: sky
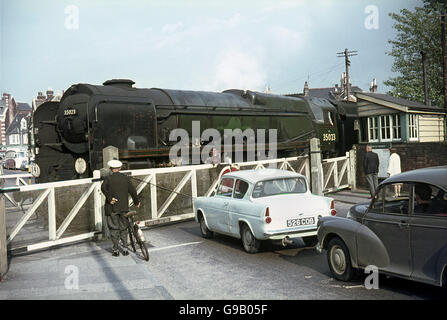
203	45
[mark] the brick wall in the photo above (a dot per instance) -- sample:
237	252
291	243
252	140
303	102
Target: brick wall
412	156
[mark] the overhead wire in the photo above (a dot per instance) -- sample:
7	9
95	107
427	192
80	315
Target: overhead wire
316	73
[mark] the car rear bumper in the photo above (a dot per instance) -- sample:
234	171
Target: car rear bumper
291	233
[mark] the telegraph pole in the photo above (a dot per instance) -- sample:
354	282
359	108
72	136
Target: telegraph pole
347	54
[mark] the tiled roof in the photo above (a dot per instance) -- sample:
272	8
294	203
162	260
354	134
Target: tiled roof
412	105
15	124
325	93
23	106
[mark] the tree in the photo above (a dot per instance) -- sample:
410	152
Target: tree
417	31
441	7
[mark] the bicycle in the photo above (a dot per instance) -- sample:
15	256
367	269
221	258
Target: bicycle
136	235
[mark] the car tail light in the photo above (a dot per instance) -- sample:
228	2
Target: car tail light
333	211
268	219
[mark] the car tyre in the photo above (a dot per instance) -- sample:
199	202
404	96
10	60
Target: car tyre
310	241
250	243
206	233
339	260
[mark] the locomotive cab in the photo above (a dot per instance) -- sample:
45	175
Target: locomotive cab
324	114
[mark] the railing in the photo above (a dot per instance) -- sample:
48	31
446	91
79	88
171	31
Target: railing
150	182
338	173
159	190
19	179
149	176
47	191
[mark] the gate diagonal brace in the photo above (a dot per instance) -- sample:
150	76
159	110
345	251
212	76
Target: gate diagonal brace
174	194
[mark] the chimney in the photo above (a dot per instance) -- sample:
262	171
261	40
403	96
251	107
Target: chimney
267	89
306	89
50	93
373	87
40	96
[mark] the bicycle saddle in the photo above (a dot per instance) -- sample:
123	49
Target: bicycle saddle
130	214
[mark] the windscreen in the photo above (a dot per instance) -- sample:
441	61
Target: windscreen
10	154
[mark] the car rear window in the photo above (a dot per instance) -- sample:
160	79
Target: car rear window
279	186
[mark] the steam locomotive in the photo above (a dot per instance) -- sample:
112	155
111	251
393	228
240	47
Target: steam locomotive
70	135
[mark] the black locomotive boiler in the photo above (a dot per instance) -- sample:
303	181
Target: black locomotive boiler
70	135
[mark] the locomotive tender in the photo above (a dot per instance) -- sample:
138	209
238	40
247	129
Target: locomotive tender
71	134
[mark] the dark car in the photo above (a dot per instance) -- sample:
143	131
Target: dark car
403	231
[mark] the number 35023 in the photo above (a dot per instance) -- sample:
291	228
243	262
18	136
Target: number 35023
329	137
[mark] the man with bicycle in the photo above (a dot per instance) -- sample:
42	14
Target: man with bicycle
116	188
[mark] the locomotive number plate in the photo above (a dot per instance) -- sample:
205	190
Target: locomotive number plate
70	112
329	137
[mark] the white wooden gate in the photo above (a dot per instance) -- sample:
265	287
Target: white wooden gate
337	175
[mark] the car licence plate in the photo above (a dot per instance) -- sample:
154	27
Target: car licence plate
300	222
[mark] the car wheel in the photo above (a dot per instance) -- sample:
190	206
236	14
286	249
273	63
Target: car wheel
206	233
310	241
339	260
250	243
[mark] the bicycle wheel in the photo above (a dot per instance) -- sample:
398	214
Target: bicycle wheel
132	239
141	244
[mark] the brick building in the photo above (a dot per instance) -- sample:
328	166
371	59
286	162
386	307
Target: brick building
41	98
3	114
8	110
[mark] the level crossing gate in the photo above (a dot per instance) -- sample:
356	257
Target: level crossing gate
43	215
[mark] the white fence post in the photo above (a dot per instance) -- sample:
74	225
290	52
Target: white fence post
316	166
51	215
154	206
194	183
352	170
97	200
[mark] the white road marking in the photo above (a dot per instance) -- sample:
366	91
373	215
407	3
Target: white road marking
174	246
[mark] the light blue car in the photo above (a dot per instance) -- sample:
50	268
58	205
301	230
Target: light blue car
262	204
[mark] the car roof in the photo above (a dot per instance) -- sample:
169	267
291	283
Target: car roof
434	175
255	175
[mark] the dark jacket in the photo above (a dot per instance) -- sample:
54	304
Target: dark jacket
118	186
371	163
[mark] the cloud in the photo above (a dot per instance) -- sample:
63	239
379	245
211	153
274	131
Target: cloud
282	5
175	34
290	4
238	69
285	37
172	28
